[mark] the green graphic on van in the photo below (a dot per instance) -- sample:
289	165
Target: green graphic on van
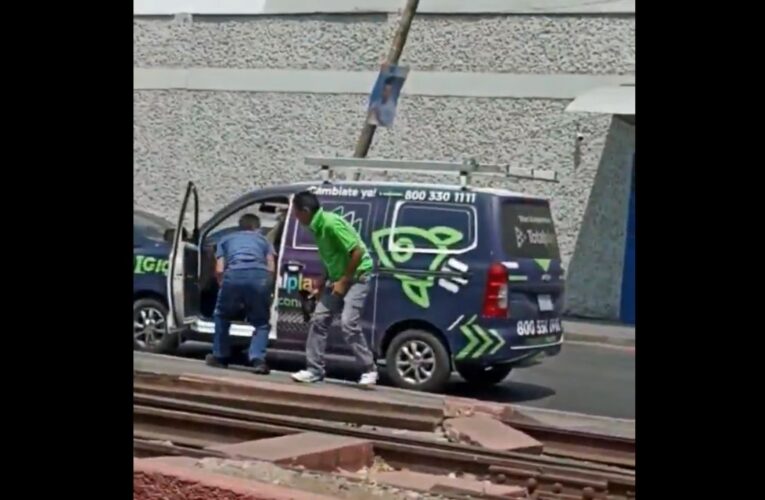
543	263
150	265
439	238
479	340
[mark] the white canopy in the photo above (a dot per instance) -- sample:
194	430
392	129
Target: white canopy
607	100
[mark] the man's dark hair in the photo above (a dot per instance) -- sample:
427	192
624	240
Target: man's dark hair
389	81
306	200
249	222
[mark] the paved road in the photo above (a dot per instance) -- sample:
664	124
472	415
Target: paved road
583	378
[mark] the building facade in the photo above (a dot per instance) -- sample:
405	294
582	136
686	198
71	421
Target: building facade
234	95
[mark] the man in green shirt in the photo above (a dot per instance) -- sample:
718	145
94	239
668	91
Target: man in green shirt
342	291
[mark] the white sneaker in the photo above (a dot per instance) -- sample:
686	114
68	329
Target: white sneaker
368	378
307	377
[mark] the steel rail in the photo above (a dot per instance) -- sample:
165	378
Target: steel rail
561	443
194	425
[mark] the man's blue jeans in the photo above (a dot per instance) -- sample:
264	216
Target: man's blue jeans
247	290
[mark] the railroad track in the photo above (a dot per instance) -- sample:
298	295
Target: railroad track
149	448
272	400
608	450
172	425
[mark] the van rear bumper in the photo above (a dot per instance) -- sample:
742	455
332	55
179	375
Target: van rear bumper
488	344
558	342
518	346
518	358
535	356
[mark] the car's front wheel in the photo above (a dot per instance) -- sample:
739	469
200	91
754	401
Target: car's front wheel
484	376
418	360
150	327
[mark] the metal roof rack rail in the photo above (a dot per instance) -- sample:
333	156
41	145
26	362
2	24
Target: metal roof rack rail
464	170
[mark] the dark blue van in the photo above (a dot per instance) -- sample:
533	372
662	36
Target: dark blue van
150	267
465	279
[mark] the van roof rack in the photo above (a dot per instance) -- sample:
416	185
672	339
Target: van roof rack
464	170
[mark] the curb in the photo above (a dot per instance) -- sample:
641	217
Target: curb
599	339
595	424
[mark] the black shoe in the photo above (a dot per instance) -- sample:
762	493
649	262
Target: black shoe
211	360
259	367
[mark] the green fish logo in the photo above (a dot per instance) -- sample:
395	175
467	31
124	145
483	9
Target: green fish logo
439	237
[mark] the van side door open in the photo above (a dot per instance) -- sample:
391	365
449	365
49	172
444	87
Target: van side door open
183	274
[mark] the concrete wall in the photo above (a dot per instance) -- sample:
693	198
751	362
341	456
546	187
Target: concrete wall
597	262
232	141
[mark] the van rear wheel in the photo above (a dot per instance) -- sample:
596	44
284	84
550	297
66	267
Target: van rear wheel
484	376
418	360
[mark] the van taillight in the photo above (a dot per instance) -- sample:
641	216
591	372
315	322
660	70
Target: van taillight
495	296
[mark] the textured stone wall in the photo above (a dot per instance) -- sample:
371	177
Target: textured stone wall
232	142
506	44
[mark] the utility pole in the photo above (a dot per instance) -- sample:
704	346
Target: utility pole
396	48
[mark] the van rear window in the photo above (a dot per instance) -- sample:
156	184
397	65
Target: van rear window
528	230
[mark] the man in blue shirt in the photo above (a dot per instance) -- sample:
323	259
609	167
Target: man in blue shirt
245	270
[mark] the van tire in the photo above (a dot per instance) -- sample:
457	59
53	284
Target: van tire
480	376
442	366
154	309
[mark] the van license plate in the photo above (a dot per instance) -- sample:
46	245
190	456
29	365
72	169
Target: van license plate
545	303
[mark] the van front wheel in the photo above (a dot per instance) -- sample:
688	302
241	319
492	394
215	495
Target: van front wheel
150	327
418	360
481	376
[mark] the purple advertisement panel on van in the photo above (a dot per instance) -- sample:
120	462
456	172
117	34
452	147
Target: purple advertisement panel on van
302	271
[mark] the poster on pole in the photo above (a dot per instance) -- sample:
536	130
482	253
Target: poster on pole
385	94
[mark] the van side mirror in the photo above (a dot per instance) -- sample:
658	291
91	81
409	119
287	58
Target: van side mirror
169	235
